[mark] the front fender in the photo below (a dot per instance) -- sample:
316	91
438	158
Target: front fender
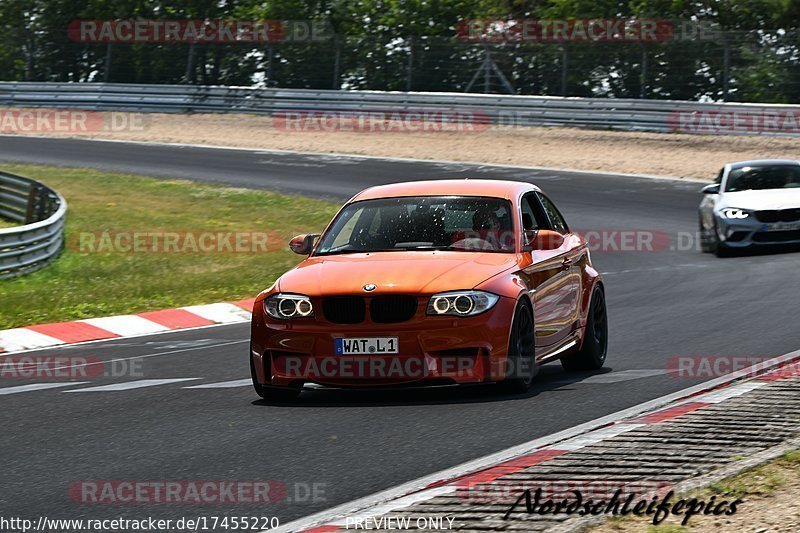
508	285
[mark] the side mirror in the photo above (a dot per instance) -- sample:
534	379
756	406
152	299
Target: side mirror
543	239
710	189
303	244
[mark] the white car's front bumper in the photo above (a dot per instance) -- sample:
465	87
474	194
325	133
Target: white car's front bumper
740	233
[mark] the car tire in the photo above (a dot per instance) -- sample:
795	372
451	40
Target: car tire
592	354
709	241
284	394
720	250
521	352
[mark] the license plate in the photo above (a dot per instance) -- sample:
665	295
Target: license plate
365	345
781	226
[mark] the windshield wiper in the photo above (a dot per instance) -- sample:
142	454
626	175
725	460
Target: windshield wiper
426	248
406	249
337	252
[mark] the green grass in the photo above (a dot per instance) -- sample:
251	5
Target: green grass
85	285
763	480
791	458
6	224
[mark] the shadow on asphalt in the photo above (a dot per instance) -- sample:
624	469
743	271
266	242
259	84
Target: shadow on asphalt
550	378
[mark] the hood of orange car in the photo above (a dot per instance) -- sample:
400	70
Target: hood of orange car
416	272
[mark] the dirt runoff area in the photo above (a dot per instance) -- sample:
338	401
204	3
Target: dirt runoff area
667	154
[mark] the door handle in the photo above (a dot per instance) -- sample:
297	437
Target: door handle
566	263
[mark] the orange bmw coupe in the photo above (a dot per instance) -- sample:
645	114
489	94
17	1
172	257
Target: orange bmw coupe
430	283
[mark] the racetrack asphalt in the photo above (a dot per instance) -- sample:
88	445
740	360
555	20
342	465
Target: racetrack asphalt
674	301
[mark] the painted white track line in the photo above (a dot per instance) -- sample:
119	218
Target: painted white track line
247	382
377	503
624	375
128	385
38	386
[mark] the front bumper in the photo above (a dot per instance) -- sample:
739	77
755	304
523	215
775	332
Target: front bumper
439	350
750	232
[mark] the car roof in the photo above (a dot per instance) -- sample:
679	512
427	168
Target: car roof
450	187
763	163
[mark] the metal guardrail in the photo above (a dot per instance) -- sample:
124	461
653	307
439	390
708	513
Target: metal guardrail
625	114
42	213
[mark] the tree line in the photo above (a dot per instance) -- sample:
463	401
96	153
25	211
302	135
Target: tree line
753	53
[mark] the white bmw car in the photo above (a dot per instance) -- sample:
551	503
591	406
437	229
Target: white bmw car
751	203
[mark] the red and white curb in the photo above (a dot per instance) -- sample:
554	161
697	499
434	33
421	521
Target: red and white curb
492	467
113	327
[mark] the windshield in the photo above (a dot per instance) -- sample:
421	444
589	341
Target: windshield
763	177
421	223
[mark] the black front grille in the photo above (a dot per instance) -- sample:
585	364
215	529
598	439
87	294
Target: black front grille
388	309
382	309
344	309
777	236
778	215
737	236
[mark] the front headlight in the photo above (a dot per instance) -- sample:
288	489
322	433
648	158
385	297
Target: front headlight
286	306
734	213
461	303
